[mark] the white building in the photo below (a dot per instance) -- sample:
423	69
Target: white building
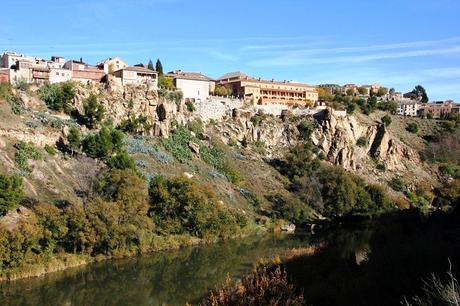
58	75
408	108
194	86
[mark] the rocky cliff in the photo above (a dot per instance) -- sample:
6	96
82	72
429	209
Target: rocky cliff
343	140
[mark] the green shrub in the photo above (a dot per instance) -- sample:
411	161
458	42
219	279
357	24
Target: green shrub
190	107
362	142
412	128
178	144
74	138
132	125
94	111
181	206
196	126
51	150
58	97
104	144
397	184
386	120
11	192
381	167
25	152
305	129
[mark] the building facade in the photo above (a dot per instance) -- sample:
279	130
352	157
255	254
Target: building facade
194	86
137	75
82	72
408	108
262	92
112	64
438	109
58	75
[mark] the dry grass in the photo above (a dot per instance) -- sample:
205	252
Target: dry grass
261	287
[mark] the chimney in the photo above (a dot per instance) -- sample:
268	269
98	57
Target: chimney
81	60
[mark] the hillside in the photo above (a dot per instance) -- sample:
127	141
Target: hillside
101	171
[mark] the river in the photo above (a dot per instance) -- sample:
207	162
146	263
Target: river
356	266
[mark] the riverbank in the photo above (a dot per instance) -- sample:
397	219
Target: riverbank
373	263
64	261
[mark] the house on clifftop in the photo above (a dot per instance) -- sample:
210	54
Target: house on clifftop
195	86
263	92
137	75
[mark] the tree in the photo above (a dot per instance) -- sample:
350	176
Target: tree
94	111
418	93
74	139
11	192
159	67
386	120
412	128
363	91
382	91
222	90
324	94
392	91
150	65
350	92
165	82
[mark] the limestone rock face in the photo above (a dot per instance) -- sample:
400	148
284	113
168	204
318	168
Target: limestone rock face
337	138
275	134
123	102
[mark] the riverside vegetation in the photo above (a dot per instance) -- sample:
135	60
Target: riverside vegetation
128	209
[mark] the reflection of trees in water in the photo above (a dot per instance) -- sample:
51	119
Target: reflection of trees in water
162	278
401	254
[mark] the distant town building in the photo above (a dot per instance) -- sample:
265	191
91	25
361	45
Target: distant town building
83	72
58	75
112	64
408	108
438	109
269	92
194	85
137	75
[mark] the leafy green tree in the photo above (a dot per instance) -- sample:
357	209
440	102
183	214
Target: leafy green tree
350	92
94	111
412	128
165	82
418	93
121	161
58	97
179	206
11	192
386	120
104	144
159	67
222	90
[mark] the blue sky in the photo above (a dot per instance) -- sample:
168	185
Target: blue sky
399	43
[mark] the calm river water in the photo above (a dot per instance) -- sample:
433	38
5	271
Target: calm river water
364	265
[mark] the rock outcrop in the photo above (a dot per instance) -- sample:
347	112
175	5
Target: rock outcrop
132	102
337	137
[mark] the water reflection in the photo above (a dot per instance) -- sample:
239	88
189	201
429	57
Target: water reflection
167	278
367	265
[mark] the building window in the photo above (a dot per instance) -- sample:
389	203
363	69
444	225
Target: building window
57	73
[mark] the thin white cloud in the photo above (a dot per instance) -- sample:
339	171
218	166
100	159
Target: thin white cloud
293	59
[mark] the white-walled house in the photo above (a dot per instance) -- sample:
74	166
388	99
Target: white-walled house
137	75
408	108
58	75
194	86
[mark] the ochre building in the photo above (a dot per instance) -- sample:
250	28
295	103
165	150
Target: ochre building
269	92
